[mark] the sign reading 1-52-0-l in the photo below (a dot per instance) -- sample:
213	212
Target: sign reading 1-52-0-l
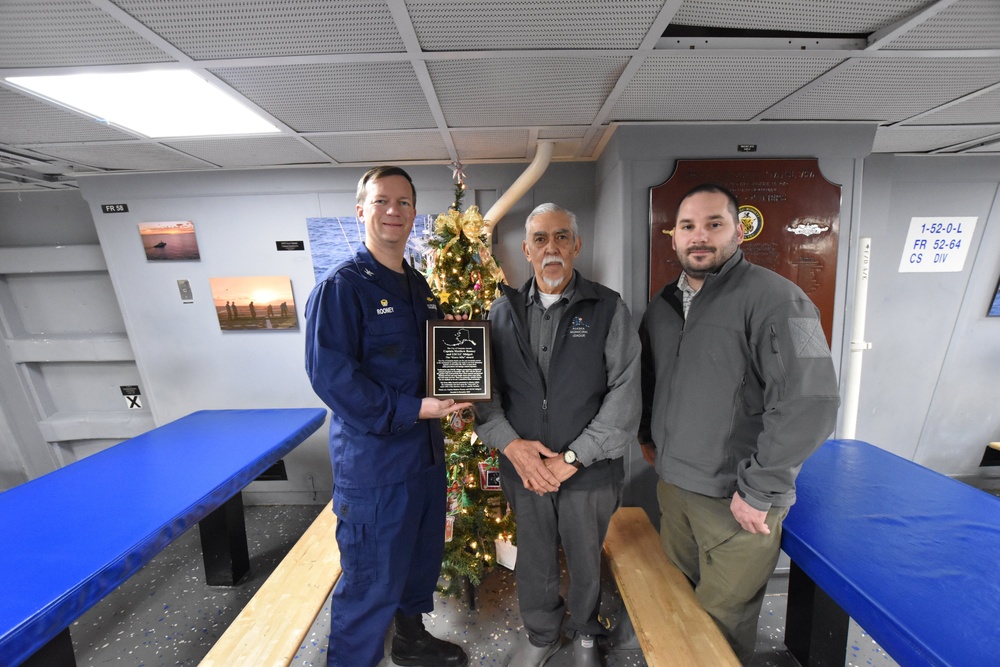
937	244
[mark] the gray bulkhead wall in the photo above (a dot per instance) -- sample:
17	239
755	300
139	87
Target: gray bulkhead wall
640	157
929	382
55	320
186	362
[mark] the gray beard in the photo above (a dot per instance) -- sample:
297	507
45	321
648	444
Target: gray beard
552	282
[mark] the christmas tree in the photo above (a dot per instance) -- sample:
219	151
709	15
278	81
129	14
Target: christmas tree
464	276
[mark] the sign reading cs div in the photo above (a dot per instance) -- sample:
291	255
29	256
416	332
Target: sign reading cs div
937	244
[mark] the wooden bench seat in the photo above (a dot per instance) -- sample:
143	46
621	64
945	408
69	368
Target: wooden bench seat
270	629
672	626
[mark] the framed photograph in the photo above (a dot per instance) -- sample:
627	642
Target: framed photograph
459	364
169	240
255	303
333	240
489	476
994	310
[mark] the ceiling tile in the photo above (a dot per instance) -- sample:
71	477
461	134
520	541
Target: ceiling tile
66	33
336	97
498	92
28	120
671	87
120	156
888	89
250	151
208	29
481	25
375	147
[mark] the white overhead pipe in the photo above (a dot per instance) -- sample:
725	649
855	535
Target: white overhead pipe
849	413
543	155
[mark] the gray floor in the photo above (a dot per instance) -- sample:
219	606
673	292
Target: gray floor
167	615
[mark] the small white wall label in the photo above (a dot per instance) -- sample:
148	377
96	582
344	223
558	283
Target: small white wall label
131	394
937	244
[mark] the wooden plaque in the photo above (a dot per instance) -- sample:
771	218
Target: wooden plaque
790	215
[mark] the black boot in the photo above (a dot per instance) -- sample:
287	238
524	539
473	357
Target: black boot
413	645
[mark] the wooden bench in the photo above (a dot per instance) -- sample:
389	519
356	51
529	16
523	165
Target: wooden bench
72	536
672	626
270	629
906	552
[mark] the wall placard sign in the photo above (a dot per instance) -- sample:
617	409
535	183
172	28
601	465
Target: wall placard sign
131	394
114	208
937	244
790	215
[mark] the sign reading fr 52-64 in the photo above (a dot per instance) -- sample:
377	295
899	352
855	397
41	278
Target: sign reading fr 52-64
937	244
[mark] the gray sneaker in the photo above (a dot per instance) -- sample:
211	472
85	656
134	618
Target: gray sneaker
529	655
585	652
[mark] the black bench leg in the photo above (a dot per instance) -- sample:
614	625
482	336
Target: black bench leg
224	544
57	653
815	625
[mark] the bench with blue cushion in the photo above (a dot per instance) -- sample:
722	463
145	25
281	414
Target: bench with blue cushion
906	552
72	536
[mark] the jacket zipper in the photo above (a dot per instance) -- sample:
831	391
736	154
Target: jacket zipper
545	420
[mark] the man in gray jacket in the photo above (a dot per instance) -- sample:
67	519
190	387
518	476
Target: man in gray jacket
565	410
738	390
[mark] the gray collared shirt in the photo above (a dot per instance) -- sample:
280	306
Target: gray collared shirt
688	293
544	322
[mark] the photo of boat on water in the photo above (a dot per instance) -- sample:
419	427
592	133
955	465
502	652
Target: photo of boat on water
169	240
254	303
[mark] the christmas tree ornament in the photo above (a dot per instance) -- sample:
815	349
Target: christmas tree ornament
463	274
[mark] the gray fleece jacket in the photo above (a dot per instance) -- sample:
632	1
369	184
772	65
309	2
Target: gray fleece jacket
736	397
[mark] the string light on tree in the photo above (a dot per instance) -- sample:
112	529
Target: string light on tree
464	276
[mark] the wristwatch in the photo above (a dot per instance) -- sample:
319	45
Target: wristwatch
569	456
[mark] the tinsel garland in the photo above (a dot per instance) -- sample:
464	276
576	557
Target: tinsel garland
460	267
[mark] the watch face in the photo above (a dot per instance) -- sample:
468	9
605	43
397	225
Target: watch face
569	456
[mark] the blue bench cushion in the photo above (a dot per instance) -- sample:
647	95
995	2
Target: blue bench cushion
73	535
908	553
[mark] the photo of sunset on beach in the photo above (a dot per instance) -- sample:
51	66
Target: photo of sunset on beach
256	303
169	240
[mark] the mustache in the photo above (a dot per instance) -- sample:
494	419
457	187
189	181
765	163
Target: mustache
696	248
553	260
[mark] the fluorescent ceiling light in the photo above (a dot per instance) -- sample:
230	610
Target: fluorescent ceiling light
160	103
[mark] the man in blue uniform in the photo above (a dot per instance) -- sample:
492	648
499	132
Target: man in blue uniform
365	356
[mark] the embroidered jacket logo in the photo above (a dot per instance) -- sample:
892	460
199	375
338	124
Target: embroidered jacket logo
578	328
385	309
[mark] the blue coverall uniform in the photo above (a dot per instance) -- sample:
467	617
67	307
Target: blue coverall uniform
366	358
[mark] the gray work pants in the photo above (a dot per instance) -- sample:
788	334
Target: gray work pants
578	519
